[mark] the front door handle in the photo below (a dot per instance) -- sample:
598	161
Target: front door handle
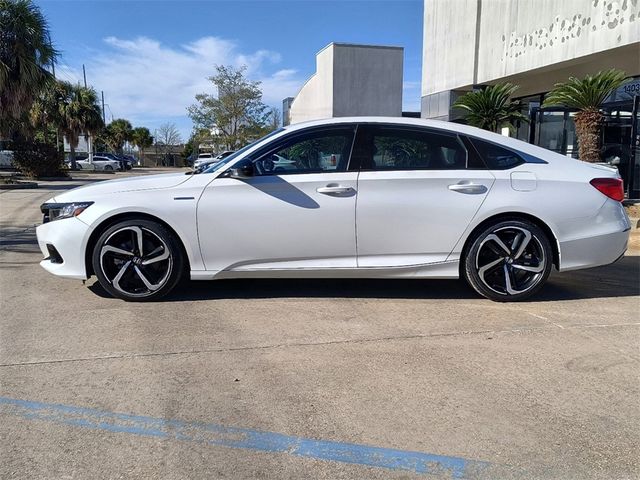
468	188
336	190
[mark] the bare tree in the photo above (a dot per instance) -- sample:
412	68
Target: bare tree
274	119
167	136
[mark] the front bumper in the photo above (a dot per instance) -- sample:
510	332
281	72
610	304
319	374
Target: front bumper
69	238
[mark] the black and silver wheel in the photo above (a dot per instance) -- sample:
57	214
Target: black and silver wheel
138	260
509	260
108	168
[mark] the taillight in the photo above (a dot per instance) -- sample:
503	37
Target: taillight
611	187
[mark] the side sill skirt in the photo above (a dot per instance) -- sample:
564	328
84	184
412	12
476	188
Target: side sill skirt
442	270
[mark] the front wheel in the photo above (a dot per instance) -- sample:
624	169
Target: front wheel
509	260
138	260
108	167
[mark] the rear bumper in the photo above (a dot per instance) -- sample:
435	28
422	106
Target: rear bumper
607	240
68	237
593	251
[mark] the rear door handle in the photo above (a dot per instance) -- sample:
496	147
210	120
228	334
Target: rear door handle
468	188
336	190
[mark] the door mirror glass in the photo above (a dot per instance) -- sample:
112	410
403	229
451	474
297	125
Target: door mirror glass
242	173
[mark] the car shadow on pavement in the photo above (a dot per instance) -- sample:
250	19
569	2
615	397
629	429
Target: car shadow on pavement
22	239
621	279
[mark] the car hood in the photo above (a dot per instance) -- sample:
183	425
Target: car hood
146	182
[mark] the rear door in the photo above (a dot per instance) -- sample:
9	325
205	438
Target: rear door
418	190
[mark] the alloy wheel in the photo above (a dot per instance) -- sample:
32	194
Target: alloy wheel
136	261
510	261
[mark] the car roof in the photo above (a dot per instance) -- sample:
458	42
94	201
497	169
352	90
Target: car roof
422	122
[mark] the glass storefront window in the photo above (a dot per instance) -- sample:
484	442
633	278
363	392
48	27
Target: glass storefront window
571	137
550	131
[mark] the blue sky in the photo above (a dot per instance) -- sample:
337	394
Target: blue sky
152	57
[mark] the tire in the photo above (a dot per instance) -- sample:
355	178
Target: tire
108	168
508	260
125	273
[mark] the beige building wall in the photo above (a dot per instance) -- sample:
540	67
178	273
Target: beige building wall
534	43
351	80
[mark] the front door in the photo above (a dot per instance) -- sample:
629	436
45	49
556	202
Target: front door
296	212
416	195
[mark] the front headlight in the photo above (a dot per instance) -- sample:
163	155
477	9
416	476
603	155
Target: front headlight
58	211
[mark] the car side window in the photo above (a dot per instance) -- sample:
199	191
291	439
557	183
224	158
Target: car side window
495	156
413	149
312	152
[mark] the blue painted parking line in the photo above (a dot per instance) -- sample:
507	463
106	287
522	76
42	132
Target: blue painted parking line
242	438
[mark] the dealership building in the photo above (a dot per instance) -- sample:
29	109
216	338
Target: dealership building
536	44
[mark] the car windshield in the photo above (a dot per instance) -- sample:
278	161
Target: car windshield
215	166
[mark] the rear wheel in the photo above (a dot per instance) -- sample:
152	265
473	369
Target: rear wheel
138	260
509	260
108	167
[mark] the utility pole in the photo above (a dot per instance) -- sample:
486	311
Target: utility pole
87	136
53	70
104	117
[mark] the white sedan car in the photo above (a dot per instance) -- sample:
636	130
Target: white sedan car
99	163
363	197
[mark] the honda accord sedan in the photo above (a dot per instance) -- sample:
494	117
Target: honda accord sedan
365	197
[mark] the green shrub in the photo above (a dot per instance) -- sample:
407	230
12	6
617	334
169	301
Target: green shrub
36	159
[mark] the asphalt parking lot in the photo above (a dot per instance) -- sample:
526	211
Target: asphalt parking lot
313	378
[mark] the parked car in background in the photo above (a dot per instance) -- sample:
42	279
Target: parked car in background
205	162
202	158
125	163
99	163
131	160
361	197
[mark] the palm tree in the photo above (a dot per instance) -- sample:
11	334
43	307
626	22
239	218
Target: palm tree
117	133
491	108
586	95
79	113
25	54
45	112
141	138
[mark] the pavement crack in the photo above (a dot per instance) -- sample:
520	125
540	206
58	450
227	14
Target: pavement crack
310	344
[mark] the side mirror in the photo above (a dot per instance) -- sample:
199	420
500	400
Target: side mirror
242	172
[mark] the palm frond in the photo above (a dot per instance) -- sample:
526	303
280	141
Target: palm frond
25	55
491	108
587	93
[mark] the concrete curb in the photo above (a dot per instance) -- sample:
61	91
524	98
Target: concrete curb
18	186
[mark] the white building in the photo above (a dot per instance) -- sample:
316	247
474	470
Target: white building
536	44
350	80
533	43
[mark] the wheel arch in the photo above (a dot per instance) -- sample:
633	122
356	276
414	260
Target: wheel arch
553	239
108	222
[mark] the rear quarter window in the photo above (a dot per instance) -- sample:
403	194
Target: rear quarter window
496	157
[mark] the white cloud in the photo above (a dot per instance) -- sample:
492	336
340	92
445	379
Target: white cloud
150	83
